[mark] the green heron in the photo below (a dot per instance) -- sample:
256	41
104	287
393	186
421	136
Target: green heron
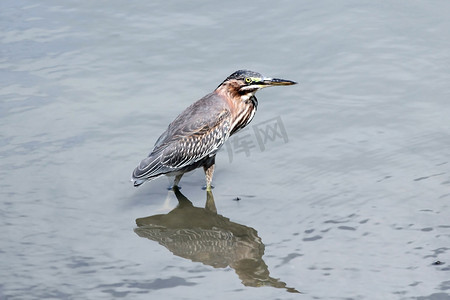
194	137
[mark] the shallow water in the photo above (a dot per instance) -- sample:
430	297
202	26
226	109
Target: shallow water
339	188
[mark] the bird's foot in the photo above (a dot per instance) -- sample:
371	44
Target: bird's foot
207	187
171	188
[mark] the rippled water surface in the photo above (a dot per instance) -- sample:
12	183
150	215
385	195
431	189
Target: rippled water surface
339	188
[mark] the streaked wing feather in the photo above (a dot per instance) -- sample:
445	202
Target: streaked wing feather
148	166
198	132
198	144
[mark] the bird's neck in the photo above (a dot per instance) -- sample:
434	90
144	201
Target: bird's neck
242	106
236	98
249	99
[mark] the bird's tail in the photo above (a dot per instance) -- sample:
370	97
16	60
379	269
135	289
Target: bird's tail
138	182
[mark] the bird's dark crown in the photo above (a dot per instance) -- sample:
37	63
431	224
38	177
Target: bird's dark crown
242	74
246	76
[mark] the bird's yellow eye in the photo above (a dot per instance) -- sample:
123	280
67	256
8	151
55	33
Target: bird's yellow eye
248	79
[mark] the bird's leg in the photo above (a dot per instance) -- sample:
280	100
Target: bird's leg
209	171
177	180
210	204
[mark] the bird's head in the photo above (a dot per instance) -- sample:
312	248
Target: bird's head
246	83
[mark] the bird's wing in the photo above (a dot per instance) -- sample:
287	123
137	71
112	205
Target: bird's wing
196	133
196	141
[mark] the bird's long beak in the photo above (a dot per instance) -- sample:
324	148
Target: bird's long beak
277	81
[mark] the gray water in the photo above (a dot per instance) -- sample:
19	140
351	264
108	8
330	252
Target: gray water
338	189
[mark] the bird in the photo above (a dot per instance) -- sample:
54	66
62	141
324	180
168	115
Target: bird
193	139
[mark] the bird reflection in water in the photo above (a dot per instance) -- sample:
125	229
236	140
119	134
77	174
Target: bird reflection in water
202	235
